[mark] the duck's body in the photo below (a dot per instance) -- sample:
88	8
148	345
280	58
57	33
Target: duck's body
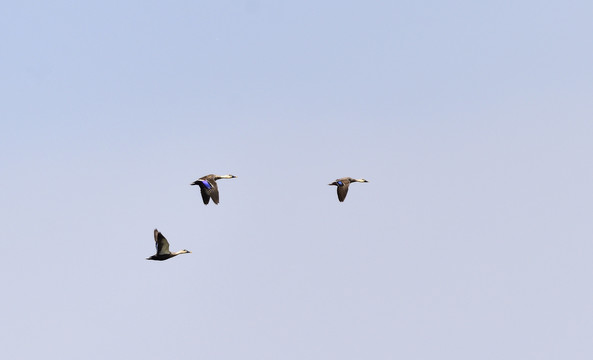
343	184
209	188
162	248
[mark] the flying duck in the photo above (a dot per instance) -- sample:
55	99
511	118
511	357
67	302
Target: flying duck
342	185
162	248
209	188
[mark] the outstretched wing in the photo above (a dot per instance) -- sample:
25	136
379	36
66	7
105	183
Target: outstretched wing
205	195
342	191
213	192
162	245
208	189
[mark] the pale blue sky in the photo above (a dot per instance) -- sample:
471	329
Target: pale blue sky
471	120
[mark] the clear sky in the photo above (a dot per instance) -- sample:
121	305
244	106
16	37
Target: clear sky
472	121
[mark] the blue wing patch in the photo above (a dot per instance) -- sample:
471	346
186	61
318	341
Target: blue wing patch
207	184
340	183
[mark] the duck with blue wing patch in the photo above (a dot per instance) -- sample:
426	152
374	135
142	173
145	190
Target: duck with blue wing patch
209	187
343	184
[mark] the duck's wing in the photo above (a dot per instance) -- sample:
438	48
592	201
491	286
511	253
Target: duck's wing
206	185
343	191
213	192
209	189
162	245
205	194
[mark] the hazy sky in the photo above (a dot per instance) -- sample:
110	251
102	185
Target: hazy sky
472	121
